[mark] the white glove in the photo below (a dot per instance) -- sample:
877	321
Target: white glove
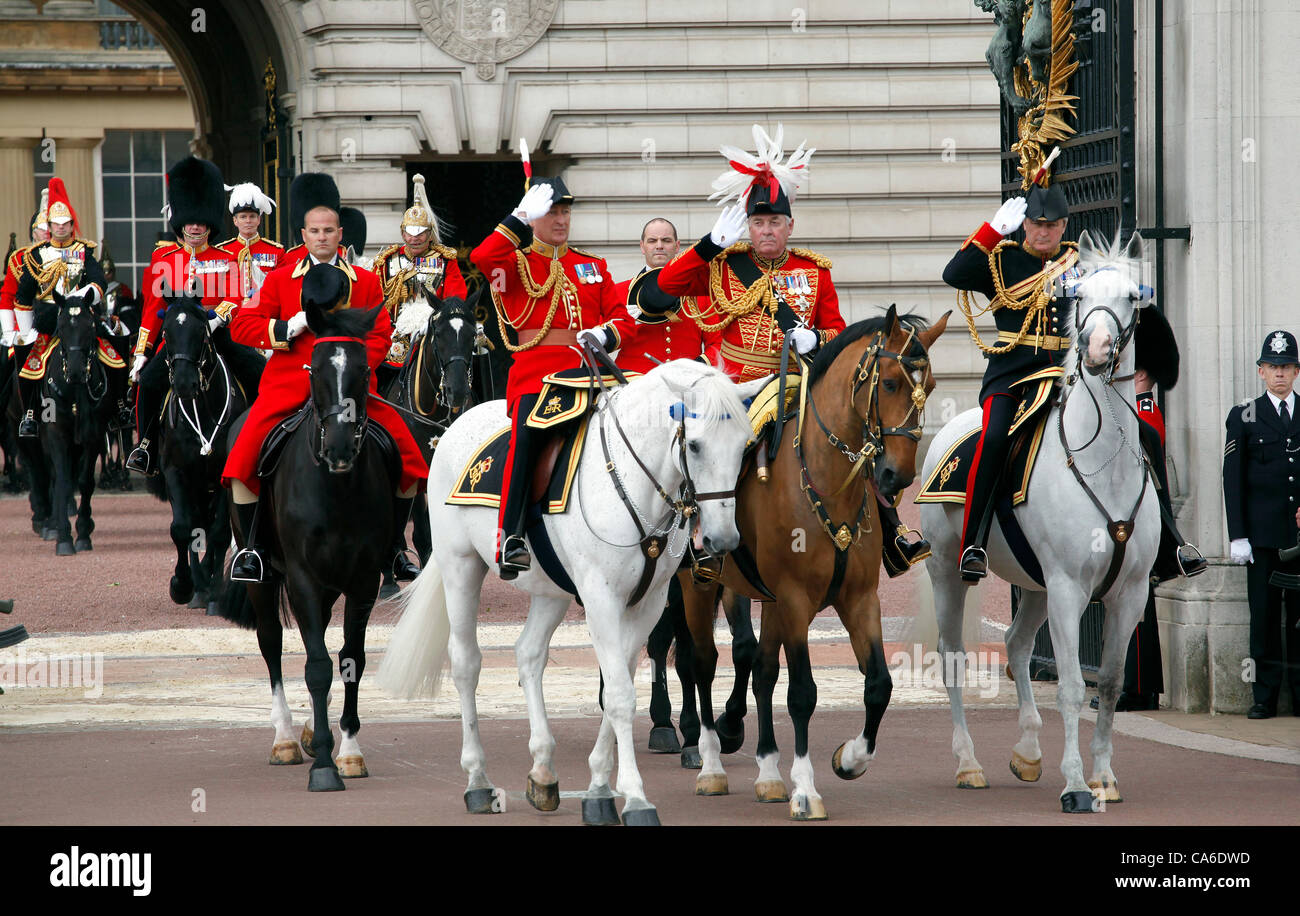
8	338
29	336
730	226
803	340
1240	551
297	324
216	321
535	203
1009	216
594	335
136	365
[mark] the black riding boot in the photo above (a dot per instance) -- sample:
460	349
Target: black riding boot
150	392
247	565
515	557
899	554
982	490
403	569
29	396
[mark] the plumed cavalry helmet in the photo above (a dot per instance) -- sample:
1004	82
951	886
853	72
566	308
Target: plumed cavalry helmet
309	191
763	182
60	208
195	194
419	217
41	218
248	198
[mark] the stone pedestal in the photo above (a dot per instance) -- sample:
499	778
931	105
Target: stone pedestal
1205	640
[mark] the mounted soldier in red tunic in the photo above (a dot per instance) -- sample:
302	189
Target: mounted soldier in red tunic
255	255
275	321
195	213
549	299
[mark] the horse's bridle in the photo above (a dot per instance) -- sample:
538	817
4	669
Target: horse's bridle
442	366
64	349
362	418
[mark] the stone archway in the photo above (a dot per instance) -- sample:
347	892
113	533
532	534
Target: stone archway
221	51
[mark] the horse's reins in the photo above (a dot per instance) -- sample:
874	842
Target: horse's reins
681	510
361	417
1120	531
205	442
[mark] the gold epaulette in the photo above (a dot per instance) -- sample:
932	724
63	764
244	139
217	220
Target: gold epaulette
167	248
819	259
585	254
387	253
273	242
736	248
227	242
89	244
164	244
446	252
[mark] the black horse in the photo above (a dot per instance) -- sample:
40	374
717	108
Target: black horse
74	412
122	323
205	401
326	528
433	387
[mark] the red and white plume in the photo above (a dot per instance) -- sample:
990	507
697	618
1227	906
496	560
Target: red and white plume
764	172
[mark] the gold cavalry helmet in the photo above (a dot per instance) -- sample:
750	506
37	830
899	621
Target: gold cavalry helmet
419	217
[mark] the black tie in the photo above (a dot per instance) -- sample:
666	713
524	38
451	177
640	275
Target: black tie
1286	414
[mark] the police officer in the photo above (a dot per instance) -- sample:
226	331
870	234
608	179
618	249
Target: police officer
1262	500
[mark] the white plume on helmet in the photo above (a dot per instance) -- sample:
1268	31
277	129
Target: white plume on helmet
747	170
249	195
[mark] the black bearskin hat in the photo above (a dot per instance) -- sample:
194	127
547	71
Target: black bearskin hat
195	194
309	191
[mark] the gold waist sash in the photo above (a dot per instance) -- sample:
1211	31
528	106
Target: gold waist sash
1038	341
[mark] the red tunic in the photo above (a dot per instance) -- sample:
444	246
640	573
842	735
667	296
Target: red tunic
1149	412
677	338
257	252
751	343
13	272
171	268
587	299
285	384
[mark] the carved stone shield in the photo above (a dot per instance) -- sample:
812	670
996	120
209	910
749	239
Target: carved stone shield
485	32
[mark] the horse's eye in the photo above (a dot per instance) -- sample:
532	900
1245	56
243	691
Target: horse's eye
890	385
694	447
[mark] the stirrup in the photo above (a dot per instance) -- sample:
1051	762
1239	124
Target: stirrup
1194	564
27	426
912	551
403	569
515	557
138	460
247	566
974	564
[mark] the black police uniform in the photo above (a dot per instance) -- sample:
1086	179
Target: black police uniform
1261	490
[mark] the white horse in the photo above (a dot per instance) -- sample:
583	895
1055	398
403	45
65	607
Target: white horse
686	422
1096	423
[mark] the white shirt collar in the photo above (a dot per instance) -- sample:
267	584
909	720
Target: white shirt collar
1290	403
316	260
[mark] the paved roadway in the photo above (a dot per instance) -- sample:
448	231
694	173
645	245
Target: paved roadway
182	705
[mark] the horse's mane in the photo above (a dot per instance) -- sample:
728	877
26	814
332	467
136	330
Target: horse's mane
346	322
708	394
1094	259
857	331
189	306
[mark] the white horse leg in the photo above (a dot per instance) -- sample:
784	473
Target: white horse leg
1065	606
544	615
462	580
949	609
285	750
1026	755
604	620
1124	609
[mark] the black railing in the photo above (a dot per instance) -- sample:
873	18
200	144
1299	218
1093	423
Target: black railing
126	35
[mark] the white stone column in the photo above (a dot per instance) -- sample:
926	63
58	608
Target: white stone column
17	181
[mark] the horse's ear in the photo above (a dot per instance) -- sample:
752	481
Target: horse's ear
474	297
59	299
932	333
1087	248
370	315
1133	250
891	320
430	297
750	390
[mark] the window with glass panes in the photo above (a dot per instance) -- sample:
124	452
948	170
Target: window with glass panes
133	163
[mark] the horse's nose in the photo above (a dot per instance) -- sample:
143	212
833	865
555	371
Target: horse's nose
891	481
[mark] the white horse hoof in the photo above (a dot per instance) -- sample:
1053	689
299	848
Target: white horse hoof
770	790
711	784
805	808
1105	789
285	753
972	779
1026	770
352	766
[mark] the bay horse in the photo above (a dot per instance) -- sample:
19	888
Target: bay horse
327	531
205	401
813	534
74	414
1090	465
433	387
680	429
